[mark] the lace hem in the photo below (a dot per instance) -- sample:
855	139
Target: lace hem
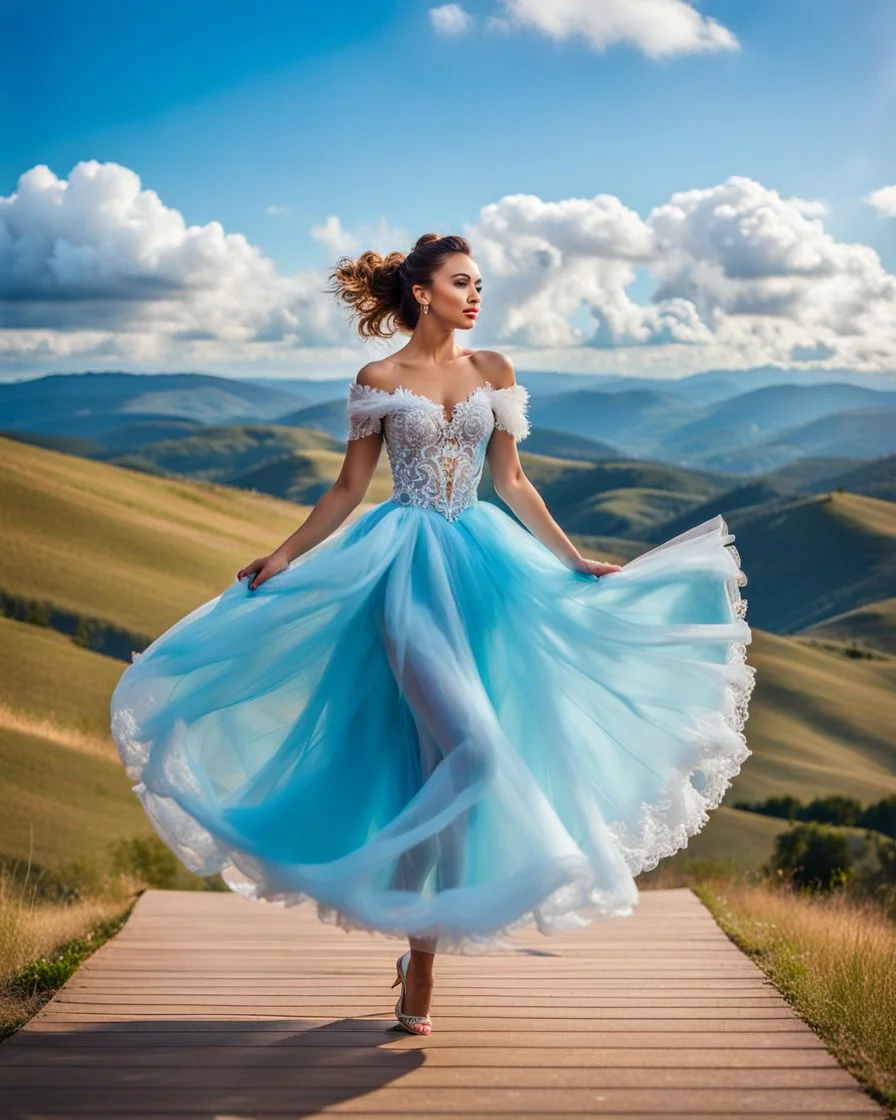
569	907
665	826
573	902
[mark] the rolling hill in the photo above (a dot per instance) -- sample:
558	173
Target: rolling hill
873	626
753	417
634	420
141	551
222	452
93	405
867	433
813	558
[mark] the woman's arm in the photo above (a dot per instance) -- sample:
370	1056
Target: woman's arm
513	487
328	512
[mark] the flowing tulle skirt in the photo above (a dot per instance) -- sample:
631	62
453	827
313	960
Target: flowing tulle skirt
435	728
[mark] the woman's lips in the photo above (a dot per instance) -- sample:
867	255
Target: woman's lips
472	314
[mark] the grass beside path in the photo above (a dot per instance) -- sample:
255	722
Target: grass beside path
43	942
834	960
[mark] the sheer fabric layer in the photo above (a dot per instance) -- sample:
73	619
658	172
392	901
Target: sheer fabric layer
432	727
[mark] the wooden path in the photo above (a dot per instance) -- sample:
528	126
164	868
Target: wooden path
208	1006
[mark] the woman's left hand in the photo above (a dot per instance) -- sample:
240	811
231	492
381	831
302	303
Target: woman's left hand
596	567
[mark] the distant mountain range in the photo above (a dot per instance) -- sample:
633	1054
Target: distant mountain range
740	423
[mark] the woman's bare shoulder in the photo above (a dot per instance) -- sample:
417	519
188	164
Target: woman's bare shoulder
495	367
378	374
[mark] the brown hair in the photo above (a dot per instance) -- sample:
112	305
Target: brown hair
379	289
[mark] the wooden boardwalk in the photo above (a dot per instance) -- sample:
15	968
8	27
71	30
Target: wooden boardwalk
208	1006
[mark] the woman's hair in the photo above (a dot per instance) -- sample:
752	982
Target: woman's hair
379	289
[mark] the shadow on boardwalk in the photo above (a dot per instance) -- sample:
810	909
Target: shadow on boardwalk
207	1006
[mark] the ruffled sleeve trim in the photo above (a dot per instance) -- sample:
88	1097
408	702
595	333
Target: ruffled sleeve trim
365	408
511	408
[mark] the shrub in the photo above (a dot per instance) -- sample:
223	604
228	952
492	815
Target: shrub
812	856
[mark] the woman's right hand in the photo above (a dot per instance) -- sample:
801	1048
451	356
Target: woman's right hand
263	568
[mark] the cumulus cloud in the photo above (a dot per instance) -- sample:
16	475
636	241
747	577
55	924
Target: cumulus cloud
657	28
450	19
884	201
740	271
97	253
98	268
740	252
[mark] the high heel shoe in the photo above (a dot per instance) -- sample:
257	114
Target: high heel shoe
409	1022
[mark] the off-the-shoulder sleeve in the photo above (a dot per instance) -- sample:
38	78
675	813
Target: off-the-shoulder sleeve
364	410
511	408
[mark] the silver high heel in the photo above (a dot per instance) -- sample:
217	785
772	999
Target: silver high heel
407	1021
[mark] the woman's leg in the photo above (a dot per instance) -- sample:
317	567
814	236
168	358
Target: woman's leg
418	996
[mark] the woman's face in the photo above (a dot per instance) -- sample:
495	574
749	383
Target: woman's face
456	292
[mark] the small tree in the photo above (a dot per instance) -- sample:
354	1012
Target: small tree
881	816
835	809
813	856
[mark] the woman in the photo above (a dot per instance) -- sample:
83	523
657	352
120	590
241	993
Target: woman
437	721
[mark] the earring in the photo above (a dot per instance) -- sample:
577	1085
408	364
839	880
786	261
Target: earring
425	308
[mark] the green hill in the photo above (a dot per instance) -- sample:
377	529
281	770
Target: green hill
304	476
873	626
751	498
876	479
820	722
65	795
131	548
563	445
816	557
625	498
223	452
859	433
142	551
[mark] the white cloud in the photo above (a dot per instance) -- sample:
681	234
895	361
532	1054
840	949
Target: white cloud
97	269
334	237
450	19
96	253
657	28
883	200
741	273
274	211
741	253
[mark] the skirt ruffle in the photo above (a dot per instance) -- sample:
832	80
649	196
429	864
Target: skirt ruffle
436	729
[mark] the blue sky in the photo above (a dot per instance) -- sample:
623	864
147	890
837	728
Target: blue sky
389	120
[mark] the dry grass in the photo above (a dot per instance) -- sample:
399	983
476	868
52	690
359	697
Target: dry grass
834	959
32	929
48	729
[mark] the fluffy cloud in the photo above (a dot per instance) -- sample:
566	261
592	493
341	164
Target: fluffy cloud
450	19
741	272
97	257
755	264
884	201
98	268
658	28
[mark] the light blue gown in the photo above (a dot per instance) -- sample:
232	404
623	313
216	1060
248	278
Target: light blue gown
428	724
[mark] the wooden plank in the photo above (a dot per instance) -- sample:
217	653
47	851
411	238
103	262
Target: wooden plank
207	1005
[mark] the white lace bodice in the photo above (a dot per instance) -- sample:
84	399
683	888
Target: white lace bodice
437	461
